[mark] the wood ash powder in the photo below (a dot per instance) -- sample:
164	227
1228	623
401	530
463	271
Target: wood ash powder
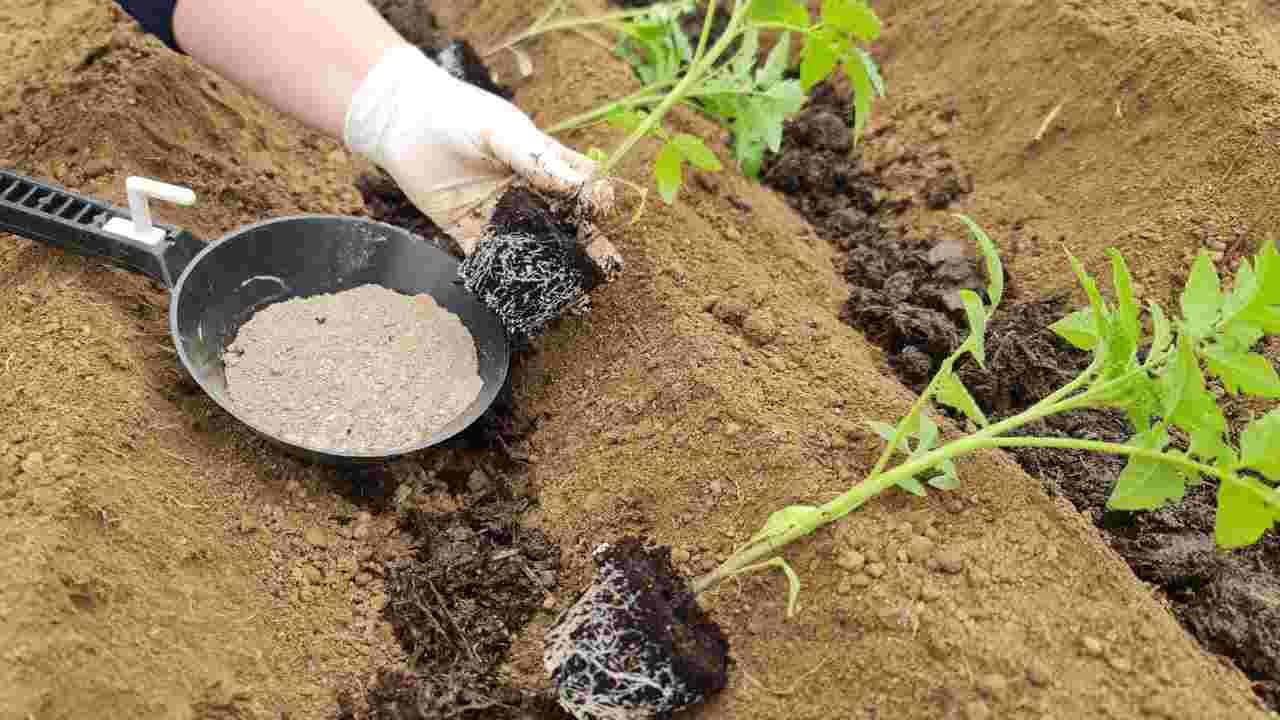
365	370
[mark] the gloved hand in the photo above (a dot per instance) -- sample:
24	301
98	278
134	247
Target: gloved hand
448	144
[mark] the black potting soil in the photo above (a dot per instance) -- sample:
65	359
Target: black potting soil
903	298
635	644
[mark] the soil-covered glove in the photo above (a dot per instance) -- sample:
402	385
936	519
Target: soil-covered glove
448	144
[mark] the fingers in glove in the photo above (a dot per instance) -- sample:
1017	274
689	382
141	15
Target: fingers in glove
545	163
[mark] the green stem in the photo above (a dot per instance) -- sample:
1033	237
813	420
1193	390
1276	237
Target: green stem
541	27
643	96
691	78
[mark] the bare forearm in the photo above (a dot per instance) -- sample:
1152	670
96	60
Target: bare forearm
304	57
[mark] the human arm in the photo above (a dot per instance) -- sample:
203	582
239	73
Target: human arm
340	68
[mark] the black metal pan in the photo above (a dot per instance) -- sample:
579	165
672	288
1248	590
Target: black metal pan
215	288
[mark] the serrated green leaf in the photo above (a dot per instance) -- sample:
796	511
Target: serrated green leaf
853	17
866	82
1145	483
1189	404
1244	291
995	267
1242	515
1250	372
1260	446
949	479
786	12
1099	310
1079	328
775	67
817	60
913	486
1202	297
977	314
668	170
952	392
1141	401
696	152
1267	269
783	521
1126	304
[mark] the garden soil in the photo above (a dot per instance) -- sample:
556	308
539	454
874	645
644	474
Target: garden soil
161	562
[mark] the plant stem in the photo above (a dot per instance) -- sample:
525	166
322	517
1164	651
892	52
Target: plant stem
690	79
643	96
542	27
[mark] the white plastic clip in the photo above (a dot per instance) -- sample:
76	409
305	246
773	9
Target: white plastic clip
140	227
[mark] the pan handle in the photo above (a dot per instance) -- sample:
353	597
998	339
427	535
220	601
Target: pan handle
62	219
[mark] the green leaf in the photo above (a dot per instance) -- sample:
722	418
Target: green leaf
1126	305
885	431
977	313
1145	483
1189	404
745	59
783	521
995	268
1244	291
1250	372
927	436
627	120
1202	297
786	12
818	59
949	479
1268	274
952	392
853	17
668	169
696	152
775	67
1242	515
1260	446
1100	312
866	81
1079	328
793	585
913	486
1162	329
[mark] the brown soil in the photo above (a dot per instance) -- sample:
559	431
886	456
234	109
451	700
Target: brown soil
160	560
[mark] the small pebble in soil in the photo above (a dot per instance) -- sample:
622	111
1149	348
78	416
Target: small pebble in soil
920	548
1119	664
852	561
1039	675
876	570
976	710
315	537
993	686
950	562
1092	646
861	580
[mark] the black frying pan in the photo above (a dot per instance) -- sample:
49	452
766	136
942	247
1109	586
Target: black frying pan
215	288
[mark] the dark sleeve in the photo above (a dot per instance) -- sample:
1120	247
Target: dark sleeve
155	16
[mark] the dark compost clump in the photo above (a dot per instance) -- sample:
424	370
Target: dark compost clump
635	644
903	297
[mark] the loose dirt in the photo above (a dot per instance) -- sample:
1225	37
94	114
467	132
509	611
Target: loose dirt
365	370
161	561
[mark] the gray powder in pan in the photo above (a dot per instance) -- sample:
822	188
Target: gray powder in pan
366	370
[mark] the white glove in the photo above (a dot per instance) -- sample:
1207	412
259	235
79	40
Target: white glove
450	145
